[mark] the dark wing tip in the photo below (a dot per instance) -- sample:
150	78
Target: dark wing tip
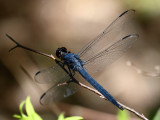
37	73
131	35
40	100
127	11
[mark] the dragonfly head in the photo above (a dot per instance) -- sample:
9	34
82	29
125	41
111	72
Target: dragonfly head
60	51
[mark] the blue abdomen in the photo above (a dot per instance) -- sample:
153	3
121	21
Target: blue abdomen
98	87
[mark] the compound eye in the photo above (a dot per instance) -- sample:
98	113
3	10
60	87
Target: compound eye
59	51
64	49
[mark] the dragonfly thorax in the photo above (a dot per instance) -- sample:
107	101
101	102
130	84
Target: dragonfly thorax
72	60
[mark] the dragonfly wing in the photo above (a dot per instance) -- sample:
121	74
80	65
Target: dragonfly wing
60	89
58	92
53	74
114	32
107	56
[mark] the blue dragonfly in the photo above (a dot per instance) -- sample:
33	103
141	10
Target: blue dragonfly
94	56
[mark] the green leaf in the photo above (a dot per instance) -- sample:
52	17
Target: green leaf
123	115
157	116
36	117
29	107
17	116
30	110
21	117
61	116
31	114
74	118
21	107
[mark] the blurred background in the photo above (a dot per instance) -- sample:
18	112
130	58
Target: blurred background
46	25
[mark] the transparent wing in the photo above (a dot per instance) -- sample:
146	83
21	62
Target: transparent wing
114	32
110	54
57	92
53	74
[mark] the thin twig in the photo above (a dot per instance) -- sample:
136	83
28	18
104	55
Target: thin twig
24	47
133	111
79	83
124	106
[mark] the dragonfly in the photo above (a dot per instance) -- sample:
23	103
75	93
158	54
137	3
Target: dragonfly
94	56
